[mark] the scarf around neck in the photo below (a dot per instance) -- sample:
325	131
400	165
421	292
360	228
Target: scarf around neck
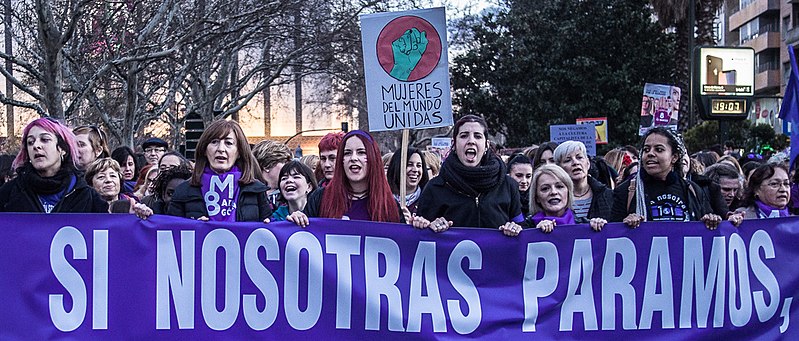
220	193
410	198
766	211
473	180
566	219
46	185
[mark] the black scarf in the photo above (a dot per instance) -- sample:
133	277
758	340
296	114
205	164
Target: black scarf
48	185
473	180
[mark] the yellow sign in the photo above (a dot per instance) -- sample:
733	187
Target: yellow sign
601	126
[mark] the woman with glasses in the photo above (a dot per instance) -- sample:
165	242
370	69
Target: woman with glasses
223	184
48	179
767	194
92	145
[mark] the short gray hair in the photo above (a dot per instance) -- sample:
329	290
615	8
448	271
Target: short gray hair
566	148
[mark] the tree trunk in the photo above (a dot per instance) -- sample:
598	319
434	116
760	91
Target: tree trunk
52	60
9	87
131	103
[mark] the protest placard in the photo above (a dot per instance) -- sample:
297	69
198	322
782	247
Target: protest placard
585	133
406	69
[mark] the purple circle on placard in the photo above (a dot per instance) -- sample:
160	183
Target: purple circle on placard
394	30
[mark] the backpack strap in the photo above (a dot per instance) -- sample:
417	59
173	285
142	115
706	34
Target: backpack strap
630	193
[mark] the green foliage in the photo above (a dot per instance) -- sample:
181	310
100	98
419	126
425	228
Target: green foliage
703	136
539	63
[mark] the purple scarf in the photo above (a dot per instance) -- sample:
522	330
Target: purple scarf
766	211
566	219
220	193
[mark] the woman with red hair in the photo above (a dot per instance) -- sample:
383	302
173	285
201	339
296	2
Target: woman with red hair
358	190
328	148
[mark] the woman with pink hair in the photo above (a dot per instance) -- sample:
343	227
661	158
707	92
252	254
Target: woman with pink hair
47	177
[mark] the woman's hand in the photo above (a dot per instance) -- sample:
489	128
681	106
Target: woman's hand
420	222
633	220
203	218
711	220
440	224
511	229
736	218
597	224
546	226
141	210
267	221
298	218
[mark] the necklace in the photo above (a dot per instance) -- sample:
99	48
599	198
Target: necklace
584	193
358	196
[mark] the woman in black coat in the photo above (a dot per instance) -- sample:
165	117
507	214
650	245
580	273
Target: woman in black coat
223	186
659	192
48	180
592	199
473	188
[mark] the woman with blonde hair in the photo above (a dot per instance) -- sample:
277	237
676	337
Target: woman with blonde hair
92	145
433	162
551	200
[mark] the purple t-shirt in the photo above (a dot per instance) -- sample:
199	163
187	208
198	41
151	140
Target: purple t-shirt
358	210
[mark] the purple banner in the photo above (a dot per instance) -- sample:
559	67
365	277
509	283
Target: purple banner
117	277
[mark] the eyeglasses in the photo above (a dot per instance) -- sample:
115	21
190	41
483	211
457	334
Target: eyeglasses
154	150
776	185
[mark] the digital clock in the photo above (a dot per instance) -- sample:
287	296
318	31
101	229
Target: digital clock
728	106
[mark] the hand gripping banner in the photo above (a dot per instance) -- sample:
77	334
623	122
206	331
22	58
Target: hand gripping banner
82	276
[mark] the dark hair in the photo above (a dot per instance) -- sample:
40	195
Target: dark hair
794	165
396	170
466	119
630	149
5	167
120	155
183	161
760	174
550	146
749	166
516	159
627	172
600	170
217	130
182	172
301	169
707	158
674	143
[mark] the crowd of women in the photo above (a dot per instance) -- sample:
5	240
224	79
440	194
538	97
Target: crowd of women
59	169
